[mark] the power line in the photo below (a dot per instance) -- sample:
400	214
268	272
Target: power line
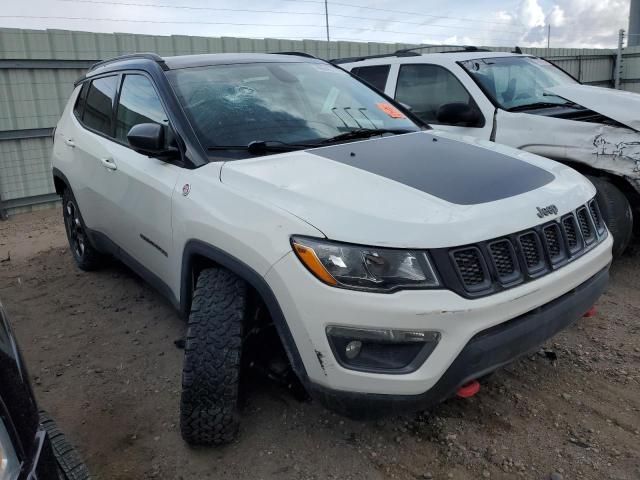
235	24
190	7
368	7
241	10
177	22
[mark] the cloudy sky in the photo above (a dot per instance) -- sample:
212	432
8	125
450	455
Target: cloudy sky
574	23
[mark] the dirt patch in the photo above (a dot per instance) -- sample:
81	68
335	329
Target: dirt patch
100	349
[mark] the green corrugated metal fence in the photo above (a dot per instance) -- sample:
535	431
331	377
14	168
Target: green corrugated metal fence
38	68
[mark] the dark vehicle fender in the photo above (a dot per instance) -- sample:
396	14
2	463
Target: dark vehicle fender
18	408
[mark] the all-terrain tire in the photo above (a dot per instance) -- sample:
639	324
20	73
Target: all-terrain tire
86	256
213	348
617	213
70	465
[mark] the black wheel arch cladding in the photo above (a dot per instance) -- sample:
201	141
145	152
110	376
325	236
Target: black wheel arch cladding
198	248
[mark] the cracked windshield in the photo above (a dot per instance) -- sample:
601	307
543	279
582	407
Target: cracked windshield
290	103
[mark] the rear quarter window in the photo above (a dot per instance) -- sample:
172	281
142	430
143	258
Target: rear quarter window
376	75
78	108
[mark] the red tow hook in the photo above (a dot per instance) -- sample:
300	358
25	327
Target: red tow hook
468	390
591	312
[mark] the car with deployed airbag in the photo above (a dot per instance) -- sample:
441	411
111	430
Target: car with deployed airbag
528	103
311	227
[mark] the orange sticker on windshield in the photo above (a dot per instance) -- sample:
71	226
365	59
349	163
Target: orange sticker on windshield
390	110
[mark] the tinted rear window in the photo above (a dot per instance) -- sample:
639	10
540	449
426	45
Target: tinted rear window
376	76
82	96
99	105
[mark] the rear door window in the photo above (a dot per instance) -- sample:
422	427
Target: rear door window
98	110
139	103
376	75
425	88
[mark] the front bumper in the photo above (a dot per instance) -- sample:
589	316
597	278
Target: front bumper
309	307
485	352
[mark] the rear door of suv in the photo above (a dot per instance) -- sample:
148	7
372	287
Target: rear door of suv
86	144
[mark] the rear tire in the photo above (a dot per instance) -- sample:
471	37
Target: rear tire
70	465
211	372
616	211
84	253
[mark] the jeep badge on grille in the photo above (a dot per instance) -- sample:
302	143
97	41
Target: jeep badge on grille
546	211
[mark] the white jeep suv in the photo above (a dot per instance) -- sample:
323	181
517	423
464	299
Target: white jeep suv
277	196
527	103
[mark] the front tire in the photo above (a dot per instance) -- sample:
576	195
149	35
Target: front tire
616	211
213	347
84	253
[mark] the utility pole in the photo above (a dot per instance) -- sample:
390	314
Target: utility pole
548	37
326	18
618	71
634	24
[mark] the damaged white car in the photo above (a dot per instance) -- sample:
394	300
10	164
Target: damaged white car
527	103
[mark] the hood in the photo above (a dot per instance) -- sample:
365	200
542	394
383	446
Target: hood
618	105
419	190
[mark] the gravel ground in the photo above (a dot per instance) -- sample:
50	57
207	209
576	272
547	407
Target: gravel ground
100	349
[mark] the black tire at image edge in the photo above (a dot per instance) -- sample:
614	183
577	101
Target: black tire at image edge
69	462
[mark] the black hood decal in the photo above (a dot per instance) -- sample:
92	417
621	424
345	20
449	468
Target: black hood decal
453	171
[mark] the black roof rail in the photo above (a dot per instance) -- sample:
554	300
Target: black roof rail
296	54
409	52
461	48
149	56
337	61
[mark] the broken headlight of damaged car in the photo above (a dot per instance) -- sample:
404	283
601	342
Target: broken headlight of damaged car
358	267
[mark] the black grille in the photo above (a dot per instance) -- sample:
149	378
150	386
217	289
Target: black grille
531	251
595	215
470	267
553	239
504	260
571	232
586	228
502	263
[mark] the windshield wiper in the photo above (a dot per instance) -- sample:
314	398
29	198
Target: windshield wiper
536	105
260	147
365	133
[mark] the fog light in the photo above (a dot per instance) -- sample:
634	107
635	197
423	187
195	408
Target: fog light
353	349
381	350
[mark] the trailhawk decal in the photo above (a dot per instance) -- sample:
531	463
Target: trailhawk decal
453	171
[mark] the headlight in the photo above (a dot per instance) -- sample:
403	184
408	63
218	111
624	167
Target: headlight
365	268
9	464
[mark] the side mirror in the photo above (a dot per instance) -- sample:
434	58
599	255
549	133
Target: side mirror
149	139
459	113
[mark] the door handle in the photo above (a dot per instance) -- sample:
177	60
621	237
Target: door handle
108	163
69	142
